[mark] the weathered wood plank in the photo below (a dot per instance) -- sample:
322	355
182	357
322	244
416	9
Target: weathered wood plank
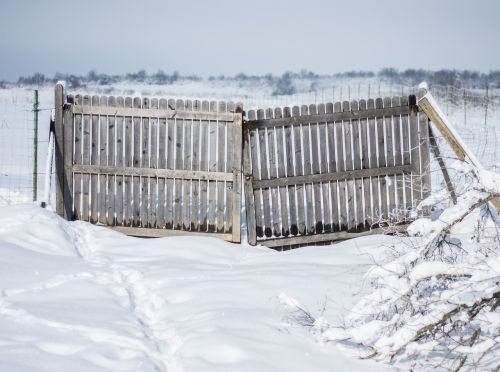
398	160
255	175
306	153
221	166
325	186
374	184
281	172
357	155
212	167
144	163
128	162
336	176
231	213
159	233
341	167
111	191
289	155
149	112
178	200
77	177
250	200
335	116
153	163
423	131
187	151
389	156
382	212
103	160
86	160
365	164
406	158
94	160
137	164
59	148
171	145
162	164
332	168
264	175
273	173
195	210
434	147
120	161
235	160
251	173
204	137
68	161
351	221
318	213
415	154
299	171
342	235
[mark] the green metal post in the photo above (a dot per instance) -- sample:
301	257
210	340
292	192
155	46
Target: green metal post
35	145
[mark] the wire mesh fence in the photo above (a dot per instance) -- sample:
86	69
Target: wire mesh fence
474	113
16	146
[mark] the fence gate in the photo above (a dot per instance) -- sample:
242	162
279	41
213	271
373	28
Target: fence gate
149	167
334	171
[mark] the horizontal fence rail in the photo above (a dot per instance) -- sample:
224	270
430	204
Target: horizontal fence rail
150	167
333	171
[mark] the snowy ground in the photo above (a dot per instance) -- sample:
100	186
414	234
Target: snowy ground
83	298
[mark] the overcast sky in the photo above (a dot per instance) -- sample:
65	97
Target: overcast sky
251	36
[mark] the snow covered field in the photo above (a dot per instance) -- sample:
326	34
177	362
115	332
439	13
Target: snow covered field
82	298
79	297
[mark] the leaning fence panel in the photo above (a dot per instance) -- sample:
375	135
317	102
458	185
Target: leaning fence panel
342	170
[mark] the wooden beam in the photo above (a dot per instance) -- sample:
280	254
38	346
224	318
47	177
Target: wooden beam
153	172
68	161
341	235
437	154
328	117
432	110
336	176
59	147
236	170
153	113
160	233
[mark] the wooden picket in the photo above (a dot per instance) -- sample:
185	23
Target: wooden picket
335	171
144	167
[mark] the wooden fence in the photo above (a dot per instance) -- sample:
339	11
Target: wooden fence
149	167
334	171
158	167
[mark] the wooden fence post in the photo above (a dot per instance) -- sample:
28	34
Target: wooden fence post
249	197
237	152
59	148
68	160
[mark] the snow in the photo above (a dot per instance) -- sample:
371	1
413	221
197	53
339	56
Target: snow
79	297
441	278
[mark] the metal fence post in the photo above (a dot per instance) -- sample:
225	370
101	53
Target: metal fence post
35	144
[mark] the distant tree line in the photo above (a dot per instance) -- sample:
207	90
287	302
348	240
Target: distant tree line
284	84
